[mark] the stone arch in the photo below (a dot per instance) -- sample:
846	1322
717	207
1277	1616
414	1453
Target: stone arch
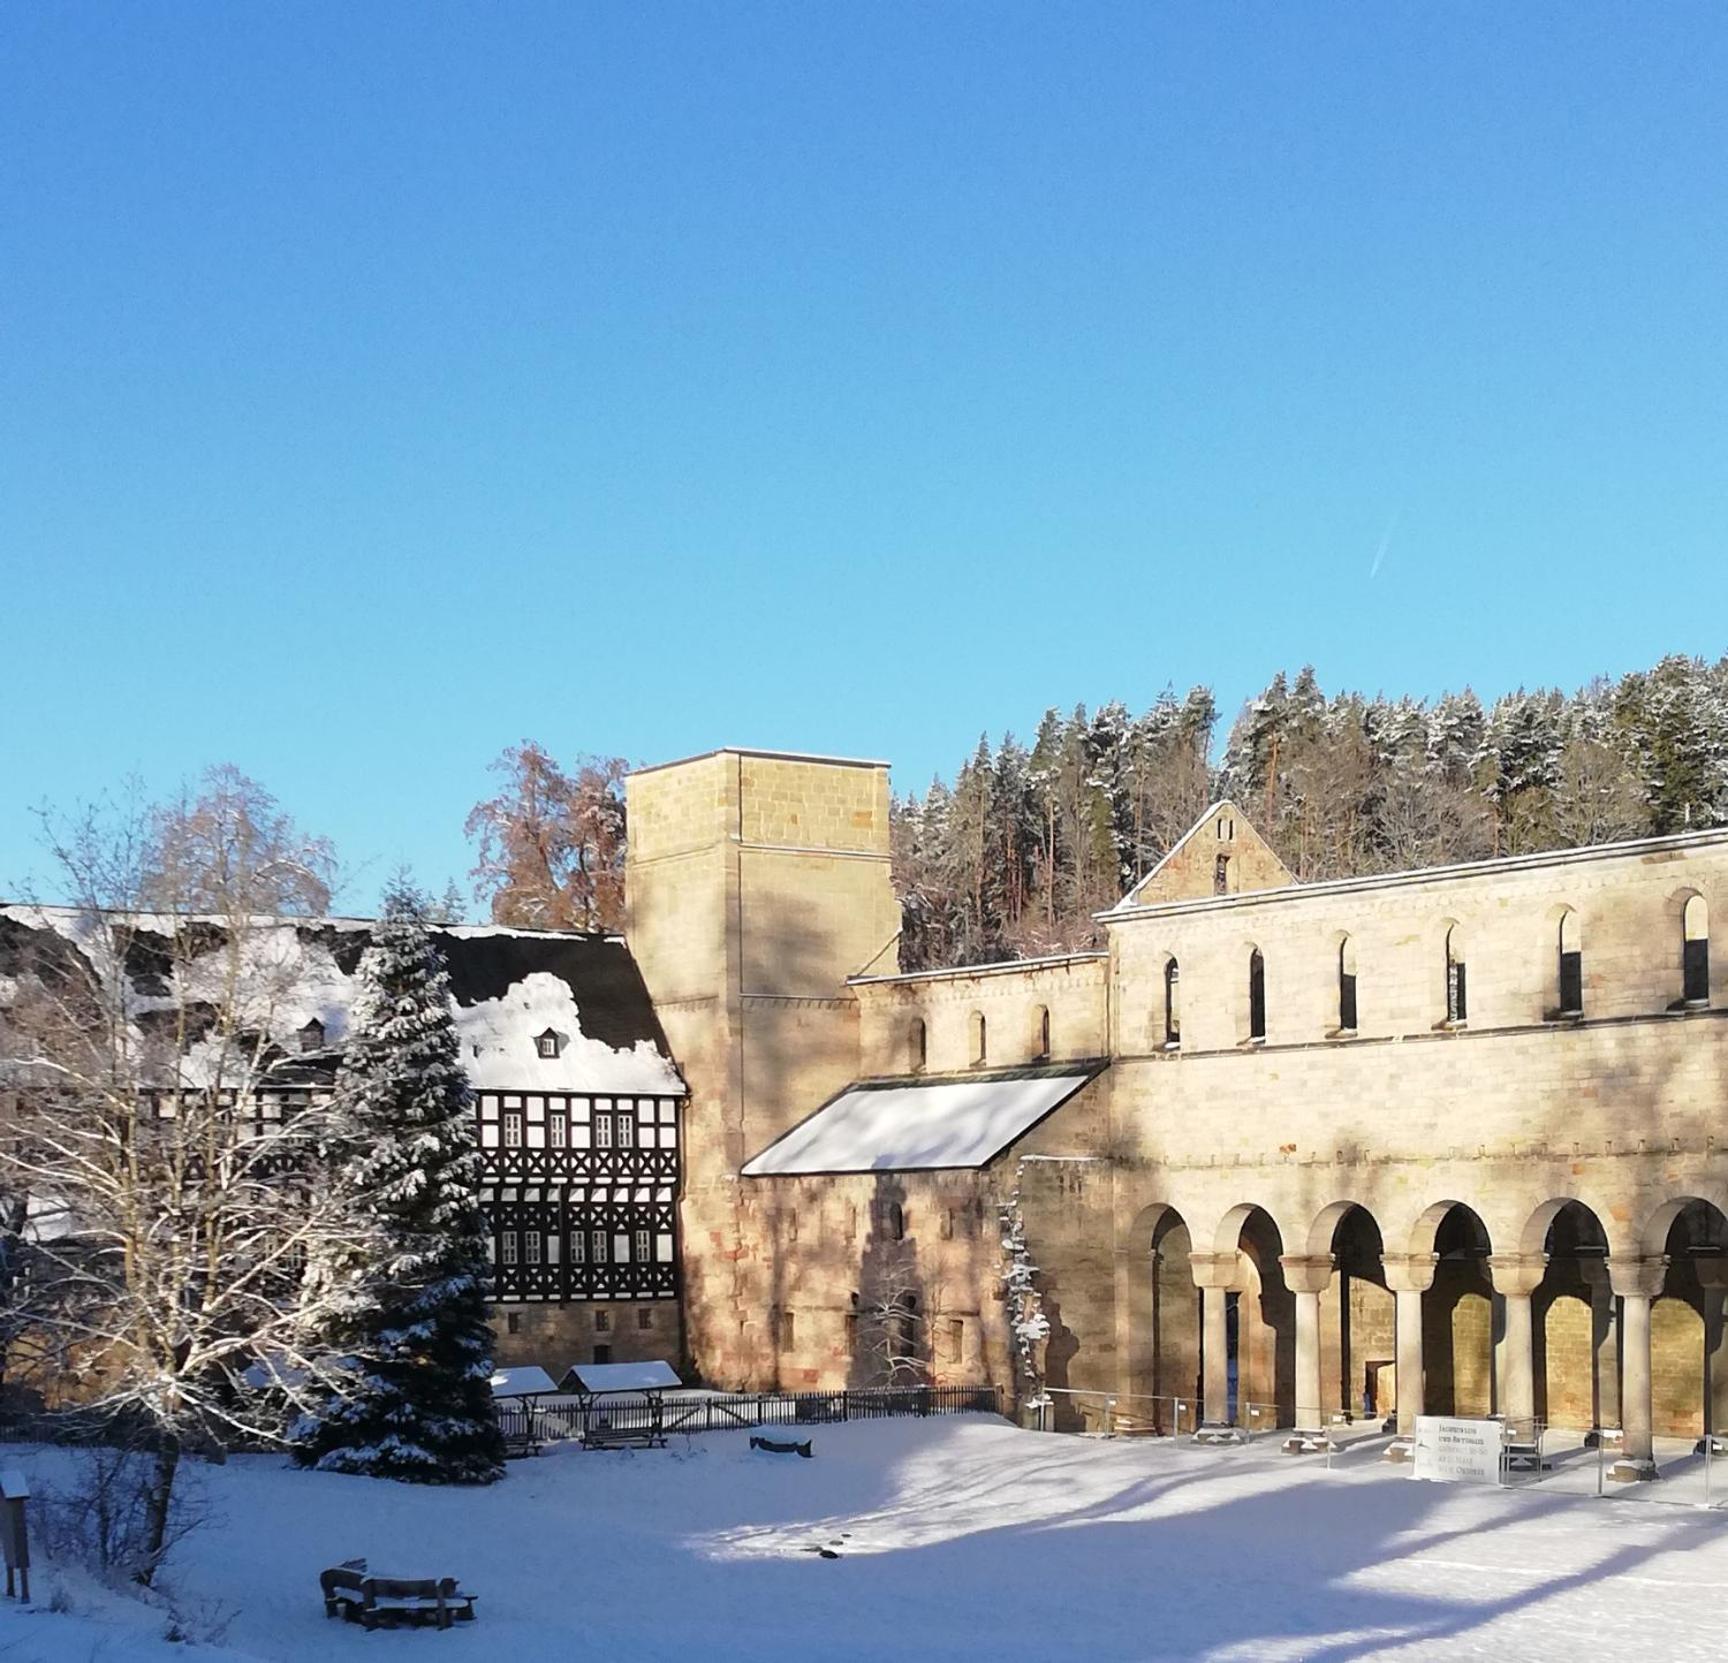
1167	1018
1574	1344
1688	1353
1701	1210
1692	914
977	1039
1358	1314
1262	1315
1164	1317
1457	1311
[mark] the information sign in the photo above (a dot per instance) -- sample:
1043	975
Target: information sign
1449	1450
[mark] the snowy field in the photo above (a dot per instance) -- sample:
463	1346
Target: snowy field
957	1538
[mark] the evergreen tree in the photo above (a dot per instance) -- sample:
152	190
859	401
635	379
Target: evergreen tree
414	1316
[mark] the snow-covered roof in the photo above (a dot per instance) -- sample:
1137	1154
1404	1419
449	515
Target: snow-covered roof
922	1125
521	1382
624	1377
507	986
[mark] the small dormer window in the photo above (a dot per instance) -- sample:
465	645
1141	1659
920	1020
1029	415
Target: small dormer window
549	1044
312	1036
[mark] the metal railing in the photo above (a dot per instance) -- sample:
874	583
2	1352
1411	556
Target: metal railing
721	1412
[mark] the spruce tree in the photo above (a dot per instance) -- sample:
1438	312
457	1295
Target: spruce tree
420	1408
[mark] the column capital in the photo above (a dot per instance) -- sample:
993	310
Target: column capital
1637	1278
1517	1275
1409	1272
1216	1270
1711	1270
1307	1272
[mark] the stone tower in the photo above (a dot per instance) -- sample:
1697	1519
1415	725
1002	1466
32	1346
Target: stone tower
758	882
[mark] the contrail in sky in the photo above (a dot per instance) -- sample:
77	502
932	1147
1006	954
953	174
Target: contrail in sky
1385	543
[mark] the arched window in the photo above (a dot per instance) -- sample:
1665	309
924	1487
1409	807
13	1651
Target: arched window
980	1050
1040	1033
1221	875
1172	1005
1347	986
1571	965
1695	953
1457	996
918	1045
1256	995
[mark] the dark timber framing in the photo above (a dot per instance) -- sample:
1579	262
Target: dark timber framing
581	1191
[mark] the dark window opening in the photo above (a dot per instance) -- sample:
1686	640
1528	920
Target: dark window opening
1572	983
1696	973
1221	875
1172	1004
1347	987
1457	987
1256	995
602	1353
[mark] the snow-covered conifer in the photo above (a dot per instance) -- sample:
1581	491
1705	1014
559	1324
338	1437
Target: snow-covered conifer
419	1406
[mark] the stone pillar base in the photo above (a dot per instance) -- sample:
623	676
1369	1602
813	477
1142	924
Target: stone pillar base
1400	1449
1216	1432
1305	1443
1629	1471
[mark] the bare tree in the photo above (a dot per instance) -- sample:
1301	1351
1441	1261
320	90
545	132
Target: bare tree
551	843
171	1176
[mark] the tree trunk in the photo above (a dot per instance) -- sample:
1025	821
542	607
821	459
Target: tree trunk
160	1506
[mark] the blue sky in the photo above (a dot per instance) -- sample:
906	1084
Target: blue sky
383	384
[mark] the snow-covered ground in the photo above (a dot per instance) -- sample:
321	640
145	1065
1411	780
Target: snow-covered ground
956	1538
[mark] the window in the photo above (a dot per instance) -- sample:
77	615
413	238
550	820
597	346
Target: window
1571	965
531	1243
896	1221
918	1045
602	1353
790	1226
851	1324
626	1130
1172	1005
602	1322
597	1242
644	1244
312	1036
602	1131
511	1247
644	1317
1221	875
953	1340
1695	953
1256	995
558	1129
578	1247
947	1230
851	1221
512	1128
787	1336
512	1323
548	1044
1040	1033
1347	986
980	1049
1457	995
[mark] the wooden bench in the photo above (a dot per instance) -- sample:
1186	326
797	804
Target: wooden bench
386	1601
607	1436
521	1434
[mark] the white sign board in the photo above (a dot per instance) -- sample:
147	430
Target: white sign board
1448	1450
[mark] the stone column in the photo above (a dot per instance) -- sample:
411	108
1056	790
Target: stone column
1637	1282
1516	1277
1307	1276
1712	1269
1216	1274
1409	1276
